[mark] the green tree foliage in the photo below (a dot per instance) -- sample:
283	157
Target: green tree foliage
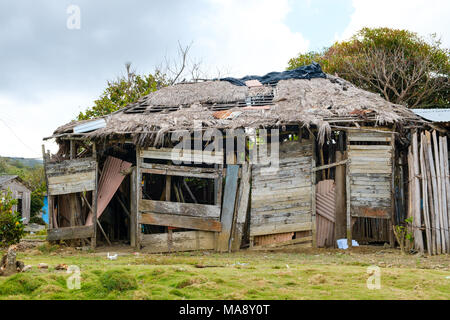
123	91
11	226
398	64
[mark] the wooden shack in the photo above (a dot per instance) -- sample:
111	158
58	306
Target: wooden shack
339	172
20	192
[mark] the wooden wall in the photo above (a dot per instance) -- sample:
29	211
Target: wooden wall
19	191
203	220
370	172
282	201
370	177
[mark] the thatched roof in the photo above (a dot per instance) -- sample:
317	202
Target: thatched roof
316	102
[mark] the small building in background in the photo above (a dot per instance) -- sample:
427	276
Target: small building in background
20	192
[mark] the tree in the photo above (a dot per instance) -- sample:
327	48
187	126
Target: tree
398	64
129	88
123	91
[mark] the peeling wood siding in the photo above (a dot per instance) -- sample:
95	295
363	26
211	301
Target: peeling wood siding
281	202
71	176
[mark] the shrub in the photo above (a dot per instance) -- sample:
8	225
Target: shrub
117	280
11	226
37	220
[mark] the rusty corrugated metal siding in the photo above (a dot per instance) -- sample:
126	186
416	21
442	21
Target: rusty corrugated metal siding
325	213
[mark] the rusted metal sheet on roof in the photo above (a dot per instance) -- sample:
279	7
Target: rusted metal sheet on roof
253	83
110	180
325	213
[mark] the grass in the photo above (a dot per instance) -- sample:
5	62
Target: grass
316	274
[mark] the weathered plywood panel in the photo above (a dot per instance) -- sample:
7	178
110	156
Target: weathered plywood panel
172	220
370	171
178	241
188	156
71	183
185	209
281	201
70	233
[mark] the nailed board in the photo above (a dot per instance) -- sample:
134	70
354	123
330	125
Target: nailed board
281	201
182	209
189	156
370	171
68	233
178	241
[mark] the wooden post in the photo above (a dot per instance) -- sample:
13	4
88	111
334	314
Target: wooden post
426	211
435	196
313	191
243	195
430	192
447	186
348	190
138	197
229	199
391	220
439	193
340	225
133	209
417	223
444	195
94	198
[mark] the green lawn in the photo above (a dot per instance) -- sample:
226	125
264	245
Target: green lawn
313	274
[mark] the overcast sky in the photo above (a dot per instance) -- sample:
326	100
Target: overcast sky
49	73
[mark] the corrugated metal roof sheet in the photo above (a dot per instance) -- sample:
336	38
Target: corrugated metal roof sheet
434	115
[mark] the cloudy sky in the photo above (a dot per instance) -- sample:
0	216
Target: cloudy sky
49	73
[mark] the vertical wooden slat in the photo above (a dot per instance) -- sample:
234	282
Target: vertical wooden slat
417	223
426	211
94	198
138	195
244	194
229	199
447	186
133	209
313	192
443	195
347	187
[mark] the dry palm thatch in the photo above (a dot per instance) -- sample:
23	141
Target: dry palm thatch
317	102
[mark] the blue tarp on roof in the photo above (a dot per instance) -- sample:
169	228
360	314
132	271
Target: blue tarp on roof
304	72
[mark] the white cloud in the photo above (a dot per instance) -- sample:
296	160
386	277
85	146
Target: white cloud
422	16
248	37
23	124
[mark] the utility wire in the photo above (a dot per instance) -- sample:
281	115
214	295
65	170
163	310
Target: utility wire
18	138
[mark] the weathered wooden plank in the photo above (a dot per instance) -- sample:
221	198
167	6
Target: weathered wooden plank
69	233
71	187
242	207
187	156
369	147
284	243
178	208
369	138
171	220
202	175
179	241
280	228
67	167
229	199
